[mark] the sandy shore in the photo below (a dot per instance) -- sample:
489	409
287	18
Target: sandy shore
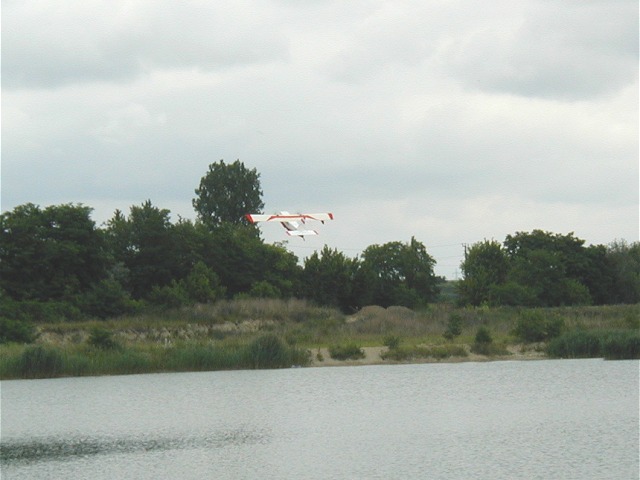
321	357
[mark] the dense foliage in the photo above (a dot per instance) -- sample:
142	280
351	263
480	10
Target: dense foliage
56	264
545	269
227	193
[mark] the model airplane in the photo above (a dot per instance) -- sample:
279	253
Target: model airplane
290	221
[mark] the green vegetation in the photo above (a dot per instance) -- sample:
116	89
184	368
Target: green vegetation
271	333
346	352
57	265
613	345
538	326
483	344
545	269
454	327
16	331
438	352
100	337
142	293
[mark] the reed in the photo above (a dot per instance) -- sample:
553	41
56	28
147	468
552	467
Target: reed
616	344
47	361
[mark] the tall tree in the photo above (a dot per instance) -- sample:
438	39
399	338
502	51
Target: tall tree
226	193
484	267
624	261
51	254
555	266
145	243
398	274
328	279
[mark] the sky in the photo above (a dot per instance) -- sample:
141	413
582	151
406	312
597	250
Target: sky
451	121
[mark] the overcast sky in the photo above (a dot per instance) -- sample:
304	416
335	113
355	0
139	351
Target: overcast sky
451	121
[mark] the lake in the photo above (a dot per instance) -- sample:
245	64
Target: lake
547	419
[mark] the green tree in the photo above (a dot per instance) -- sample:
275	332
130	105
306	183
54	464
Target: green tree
201	285
147	246
554	266
241	259
484	267
398	273
328	279
624	261
55	253
227	192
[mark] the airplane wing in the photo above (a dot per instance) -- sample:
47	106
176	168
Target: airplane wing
287	217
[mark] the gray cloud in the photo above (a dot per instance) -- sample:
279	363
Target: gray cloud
451	121
58	43
569	51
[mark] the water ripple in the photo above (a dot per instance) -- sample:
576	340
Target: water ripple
22	452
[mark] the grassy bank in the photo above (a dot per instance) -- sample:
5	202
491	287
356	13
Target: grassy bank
247	334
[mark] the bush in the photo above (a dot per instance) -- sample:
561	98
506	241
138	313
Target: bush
169	296
102	338
37	311
484	345
268	351
577	344
39	361
392	342
16	331
621	345
483	336
108	299
535	326
446	351
346	352
264	289
204	357
454	327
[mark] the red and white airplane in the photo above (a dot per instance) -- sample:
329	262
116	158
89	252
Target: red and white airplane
290	221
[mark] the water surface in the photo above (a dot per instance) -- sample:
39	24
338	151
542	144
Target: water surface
564	419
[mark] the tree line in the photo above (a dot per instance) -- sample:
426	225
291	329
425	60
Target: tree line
543	269
55	263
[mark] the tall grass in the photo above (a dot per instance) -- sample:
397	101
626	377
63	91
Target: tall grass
40	361
616	345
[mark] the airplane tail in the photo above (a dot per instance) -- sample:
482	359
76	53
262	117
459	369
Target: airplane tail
301	233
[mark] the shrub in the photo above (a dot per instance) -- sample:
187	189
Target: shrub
16	331
38	311
577	344
392	342
39	361
102	338
446	351
108	299
346	352
484	345
169	296
534	326
268	351
621	345
264	289
483	336
454	327
204	357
